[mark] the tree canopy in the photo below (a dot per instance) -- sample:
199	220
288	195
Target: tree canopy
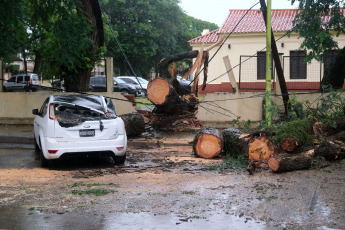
317	22
148	30
65	37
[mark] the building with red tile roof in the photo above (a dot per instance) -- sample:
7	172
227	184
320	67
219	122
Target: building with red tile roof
246	50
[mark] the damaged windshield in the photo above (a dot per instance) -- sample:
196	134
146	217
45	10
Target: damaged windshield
72	110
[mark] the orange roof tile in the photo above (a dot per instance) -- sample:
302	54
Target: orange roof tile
253	22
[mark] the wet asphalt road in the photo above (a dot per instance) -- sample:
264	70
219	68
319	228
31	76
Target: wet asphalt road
165	187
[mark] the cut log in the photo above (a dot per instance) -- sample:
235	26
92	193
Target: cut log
166	100
208	143
134	124
330	150
260	149
289	144
285	162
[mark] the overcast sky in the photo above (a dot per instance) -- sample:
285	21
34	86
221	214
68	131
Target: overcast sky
216	10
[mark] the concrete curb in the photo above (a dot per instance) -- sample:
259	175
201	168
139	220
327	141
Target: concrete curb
16	139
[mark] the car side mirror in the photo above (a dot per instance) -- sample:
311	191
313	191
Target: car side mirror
35	112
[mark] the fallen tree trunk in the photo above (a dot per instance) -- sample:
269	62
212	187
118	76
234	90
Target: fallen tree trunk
284	162
134	124
330	150
167	101
208	143
289	144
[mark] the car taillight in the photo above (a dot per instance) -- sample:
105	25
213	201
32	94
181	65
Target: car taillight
31	81
51	111
52	151
120	148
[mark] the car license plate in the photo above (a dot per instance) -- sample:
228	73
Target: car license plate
87	133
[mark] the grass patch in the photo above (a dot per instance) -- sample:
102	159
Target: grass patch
26	187
142	101
188	192
96	192
78	184
229	162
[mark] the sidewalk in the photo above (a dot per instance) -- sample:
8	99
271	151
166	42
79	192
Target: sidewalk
17	134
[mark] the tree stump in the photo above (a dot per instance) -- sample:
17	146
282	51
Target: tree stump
208	143
134	124
285	162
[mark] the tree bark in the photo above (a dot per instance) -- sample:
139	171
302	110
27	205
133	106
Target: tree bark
134	124
276	59
208	143
330	150
284	162
92	12
177	57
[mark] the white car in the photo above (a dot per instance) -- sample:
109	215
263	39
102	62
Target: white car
78	125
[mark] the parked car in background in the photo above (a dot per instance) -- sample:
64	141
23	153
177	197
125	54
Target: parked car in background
185	83
78	125
128	88
98	84
141	82
26	82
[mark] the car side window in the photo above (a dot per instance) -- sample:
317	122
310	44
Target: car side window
43	110
27	78
12	79
130	81
19	79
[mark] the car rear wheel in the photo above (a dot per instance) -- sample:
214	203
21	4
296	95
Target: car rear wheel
37	148
120	159
43	161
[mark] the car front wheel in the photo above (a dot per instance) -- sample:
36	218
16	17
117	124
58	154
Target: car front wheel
120	159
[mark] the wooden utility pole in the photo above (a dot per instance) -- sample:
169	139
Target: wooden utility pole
276	59
268	66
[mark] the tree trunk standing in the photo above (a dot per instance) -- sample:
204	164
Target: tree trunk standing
277	62
38	64
91	11
208	143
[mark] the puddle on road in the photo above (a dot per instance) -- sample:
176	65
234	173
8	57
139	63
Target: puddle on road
17	218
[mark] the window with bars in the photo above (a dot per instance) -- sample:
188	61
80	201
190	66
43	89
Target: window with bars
261	65
298	68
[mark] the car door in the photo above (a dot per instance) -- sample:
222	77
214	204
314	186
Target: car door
20	83
39	122
11	82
